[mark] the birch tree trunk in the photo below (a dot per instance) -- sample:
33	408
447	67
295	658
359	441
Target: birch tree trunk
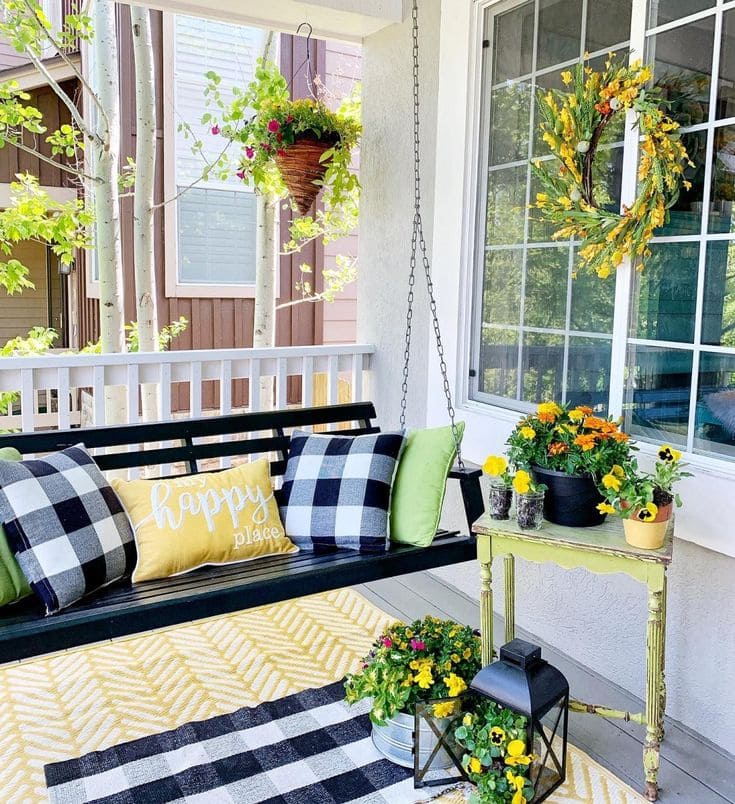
266	264
106	152
143	209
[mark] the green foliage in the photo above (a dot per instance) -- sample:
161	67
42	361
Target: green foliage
38	341
495	758
34	215
568	439
165	336
27	28
427	659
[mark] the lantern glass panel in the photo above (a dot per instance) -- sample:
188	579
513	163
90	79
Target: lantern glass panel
548	738
437	757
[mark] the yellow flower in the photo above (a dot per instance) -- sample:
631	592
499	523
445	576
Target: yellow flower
407	681
455	684
648	512
467	720
576	415
522	481
497	735
605	508
475	765
618	471
516	748
566	77
444	709
424	678
548	411
456	658
668	454
611	482
527	432
494	465
518	798
467	653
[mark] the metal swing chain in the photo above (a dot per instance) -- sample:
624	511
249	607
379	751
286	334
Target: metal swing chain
418	242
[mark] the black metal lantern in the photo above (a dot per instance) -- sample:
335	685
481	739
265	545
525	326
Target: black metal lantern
524	682
437	760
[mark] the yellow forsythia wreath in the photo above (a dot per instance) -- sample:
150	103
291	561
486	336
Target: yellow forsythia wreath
572	123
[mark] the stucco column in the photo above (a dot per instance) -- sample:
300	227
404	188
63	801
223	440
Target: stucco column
387	208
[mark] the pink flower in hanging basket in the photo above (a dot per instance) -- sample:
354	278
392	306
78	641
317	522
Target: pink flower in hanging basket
215	130
266	147
281	152
240	174
418	644
387	642
273	126
250	152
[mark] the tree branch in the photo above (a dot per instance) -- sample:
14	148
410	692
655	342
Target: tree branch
79	174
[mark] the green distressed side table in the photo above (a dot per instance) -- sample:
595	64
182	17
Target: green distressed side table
601	550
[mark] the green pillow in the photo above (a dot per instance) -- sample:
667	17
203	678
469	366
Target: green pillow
13	584
420	483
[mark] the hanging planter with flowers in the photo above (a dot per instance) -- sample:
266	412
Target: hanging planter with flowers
290	147
572	125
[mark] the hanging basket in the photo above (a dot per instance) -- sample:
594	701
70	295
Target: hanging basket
301	169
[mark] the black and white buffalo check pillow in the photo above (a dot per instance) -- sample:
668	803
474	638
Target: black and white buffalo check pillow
65	524
336	490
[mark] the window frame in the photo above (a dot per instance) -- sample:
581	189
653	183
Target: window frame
174	287
623	339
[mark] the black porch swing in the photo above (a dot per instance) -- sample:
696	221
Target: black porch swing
124	609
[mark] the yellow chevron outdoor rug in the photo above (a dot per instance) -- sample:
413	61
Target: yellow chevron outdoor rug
90	699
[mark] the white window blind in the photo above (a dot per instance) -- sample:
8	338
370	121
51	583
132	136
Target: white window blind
216	219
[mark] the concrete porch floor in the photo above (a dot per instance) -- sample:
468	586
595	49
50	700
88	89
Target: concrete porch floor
693	771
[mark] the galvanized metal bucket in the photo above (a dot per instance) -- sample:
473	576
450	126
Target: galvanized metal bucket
395	742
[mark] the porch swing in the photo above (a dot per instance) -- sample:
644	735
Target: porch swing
124	609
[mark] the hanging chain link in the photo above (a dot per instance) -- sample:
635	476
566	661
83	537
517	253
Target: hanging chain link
419	244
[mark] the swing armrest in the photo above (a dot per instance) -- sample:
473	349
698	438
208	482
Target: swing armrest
469	484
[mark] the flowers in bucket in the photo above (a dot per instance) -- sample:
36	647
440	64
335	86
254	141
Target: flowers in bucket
501	485
427	659
496	757
569	439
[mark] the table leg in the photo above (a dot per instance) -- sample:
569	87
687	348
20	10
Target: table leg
510	597
486	611
654	694
663	656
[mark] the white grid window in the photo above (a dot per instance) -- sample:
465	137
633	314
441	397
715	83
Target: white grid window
664	354
216	219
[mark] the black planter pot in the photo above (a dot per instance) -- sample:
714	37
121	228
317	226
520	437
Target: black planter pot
570	499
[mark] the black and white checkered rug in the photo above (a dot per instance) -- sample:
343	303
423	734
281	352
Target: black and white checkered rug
307	748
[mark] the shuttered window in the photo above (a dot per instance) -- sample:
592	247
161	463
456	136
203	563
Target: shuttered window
216	219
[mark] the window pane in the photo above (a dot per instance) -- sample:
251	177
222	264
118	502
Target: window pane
539	229
662	11
547	270
682	61
543	367
685	217
715	419
216	230
666	293
726	79
718	314
501	292
509	123
560	31
657	396
513	43
499	363
593	300
588	372
608	23
723	181
506	206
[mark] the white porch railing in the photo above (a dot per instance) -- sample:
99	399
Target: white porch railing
68	390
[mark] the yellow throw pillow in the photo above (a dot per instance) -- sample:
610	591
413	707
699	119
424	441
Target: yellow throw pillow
187	522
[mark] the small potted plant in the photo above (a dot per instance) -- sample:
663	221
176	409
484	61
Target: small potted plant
501	486
529	500
422	661
496	758
644	500
569	450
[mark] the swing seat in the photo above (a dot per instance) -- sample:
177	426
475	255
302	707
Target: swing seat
122	608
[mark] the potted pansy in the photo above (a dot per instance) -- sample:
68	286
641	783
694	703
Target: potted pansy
495	756
422	661
644	500
501	486
569	449
295	147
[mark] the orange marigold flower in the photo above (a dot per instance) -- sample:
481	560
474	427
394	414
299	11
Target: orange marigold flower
558	448
620	436
587	442
585	409
593	423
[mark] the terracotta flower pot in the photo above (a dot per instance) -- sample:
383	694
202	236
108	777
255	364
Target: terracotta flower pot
301	168
648	535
